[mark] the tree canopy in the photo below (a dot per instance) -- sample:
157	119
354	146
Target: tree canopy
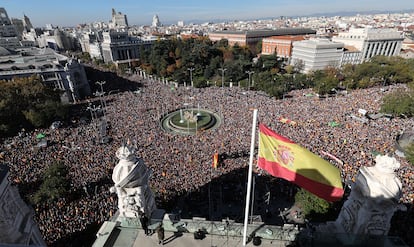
172	59
310	204
55	184
26	103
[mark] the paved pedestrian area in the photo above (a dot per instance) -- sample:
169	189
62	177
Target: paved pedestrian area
187	239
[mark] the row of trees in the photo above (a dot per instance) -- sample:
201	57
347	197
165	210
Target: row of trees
210	62
27	103
174	58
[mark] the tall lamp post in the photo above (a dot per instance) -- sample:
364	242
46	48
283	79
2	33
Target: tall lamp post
250	73
222	76
103	102
101	83
191	75
93	109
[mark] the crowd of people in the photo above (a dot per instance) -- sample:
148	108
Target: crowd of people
183	163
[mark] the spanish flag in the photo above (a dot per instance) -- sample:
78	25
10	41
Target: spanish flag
215	160
285	159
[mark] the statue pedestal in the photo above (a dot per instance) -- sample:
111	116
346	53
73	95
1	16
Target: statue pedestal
132	222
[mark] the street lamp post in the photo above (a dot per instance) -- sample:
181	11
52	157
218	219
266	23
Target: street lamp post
250	73
222	76
191	75
93	109
101	83
102	101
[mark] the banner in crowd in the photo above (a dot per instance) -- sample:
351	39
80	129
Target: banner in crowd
215	160
332	157
283	158
286	121
334	124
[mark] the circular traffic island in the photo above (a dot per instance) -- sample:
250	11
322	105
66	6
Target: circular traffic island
190	120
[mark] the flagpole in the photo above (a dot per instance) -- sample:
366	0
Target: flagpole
252	200
249	178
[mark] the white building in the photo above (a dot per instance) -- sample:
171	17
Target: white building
316	54
118	20
56	39
57	71
372	42
119	47
95	50
156	21
91	43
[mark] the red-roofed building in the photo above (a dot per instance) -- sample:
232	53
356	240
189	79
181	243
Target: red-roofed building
252	37
280	45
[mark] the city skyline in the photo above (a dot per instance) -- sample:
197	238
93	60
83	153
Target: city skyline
140	13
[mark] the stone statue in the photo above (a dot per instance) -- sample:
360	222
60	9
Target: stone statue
130	176
372	202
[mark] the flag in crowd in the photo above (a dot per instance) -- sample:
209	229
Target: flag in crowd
215	160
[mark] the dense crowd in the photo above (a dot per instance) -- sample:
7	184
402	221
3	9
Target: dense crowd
182	163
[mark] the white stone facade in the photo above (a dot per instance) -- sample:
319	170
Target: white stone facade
119	46
57	71
118	20
155	21
372	42
316	54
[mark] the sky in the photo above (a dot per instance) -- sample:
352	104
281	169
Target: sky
73	12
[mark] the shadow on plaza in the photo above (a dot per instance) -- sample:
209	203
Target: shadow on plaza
114	82
224	197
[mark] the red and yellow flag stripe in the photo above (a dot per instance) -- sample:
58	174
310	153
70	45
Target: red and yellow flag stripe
283	158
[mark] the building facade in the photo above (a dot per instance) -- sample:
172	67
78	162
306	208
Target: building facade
91	43
17	227
119	47
251	38
56	39
155	21
118	20
57	71
7	29
372	42
316	54
279	45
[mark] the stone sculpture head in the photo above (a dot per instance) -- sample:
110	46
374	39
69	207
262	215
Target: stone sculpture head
125	152
386	164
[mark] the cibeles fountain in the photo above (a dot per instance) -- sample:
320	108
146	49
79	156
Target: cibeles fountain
131	176
372	202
